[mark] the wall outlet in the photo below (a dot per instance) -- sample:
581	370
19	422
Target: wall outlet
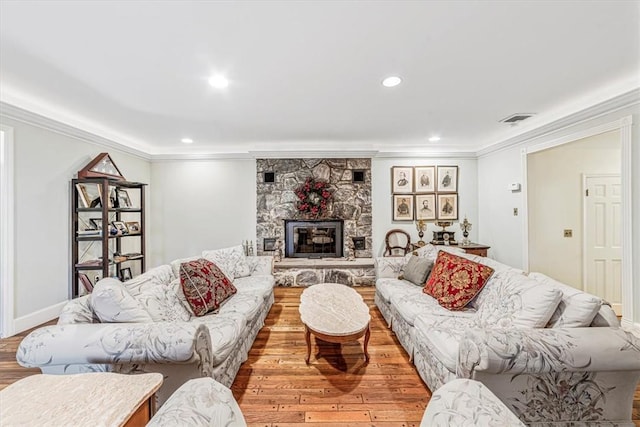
515	211
568	233
96	279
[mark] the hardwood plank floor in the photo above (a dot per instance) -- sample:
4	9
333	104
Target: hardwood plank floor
275	388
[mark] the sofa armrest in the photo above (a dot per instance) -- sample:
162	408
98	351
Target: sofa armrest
260	265
517	351
201	401
389	267
117	343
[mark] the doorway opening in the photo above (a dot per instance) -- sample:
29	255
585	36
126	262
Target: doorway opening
572	237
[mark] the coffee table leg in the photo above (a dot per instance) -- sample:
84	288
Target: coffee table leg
366	344
307	337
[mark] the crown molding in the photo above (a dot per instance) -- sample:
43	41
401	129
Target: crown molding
427	154
20	114
313	154
624	100
169	157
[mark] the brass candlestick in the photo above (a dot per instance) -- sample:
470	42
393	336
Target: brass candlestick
420	226
465	226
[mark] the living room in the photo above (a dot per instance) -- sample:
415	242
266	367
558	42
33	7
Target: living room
75	84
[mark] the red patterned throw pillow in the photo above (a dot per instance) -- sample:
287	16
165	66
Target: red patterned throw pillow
204	285
455	281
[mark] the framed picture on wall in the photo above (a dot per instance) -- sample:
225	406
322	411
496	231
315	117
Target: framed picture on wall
447	179
425	177
402	179
447	206
426	207
402	207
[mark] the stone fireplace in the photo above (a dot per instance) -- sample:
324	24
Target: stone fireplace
350	182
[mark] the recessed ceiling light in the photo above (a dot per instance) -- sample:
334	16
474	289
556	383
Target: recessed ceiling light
218	81
434	139
391	81
186	141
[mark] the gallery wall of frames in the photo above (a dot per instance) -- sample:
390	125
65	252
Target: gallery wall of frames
428	193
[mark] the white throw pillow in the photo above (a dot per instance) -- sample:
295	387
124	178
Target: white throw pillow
112	303
232	261
176	263
576	309
509	299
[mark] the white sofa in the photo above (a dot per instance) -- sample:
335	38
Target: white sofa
551	353
174	343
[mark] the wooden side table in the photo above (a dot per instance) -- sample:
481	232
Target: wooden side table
475	249
92	399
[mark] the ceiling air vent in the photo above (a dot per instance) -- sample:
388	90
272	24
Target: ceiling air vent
514	119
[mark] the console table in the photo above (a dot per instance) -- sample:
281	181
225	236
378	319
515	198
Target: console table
91	399
471	248
475	249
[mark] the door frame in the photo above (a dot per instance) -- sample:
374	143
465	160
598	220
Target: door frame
7	254
623	125
586	176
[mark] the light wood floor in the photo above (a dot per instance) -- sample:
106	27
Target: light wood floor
275	388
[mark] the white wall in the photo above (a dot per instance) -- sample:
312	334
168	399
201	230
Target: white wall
382	201
505	233
45	163
201	204
555	195
500	228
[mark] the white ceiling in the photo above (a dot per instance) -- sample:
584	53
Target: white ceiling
306	75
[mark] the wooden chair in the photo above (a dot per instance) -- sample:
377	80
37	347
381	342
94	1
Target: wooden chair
395	242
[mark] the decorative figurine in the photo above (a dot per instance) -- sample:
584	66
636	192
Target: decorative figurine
465	226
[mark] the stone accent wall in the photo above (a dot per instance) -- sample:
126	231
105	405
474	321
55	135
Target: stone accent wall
307	272
351	201
291	277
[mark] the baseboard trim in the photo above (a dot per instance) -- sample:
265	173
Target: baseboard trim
37	318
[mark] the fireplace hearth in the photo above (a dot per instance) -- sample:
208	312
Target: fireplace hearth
313	238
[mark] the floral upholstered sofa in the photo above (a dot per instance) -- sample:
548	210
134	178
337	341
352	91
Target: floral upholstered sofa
550	352
162	335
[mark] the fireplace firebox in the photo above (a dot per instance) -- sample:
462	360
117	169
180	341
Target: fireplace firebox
313	238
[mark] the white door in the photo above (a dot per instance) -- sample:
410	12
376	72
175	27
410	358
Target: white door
603	238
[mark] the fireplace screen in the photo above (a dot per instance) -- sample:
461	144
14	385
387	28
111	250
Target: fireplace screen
313	238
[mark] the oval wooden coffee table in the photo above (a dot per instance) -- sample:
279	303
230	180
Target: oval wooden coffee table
334	313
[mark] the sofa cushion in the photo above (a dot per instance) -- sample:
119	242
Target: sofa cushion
154	289
576	308
409	306
243	303
454	281
231	260
511	299
112	303
204	285
390	287
417	270
261	285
